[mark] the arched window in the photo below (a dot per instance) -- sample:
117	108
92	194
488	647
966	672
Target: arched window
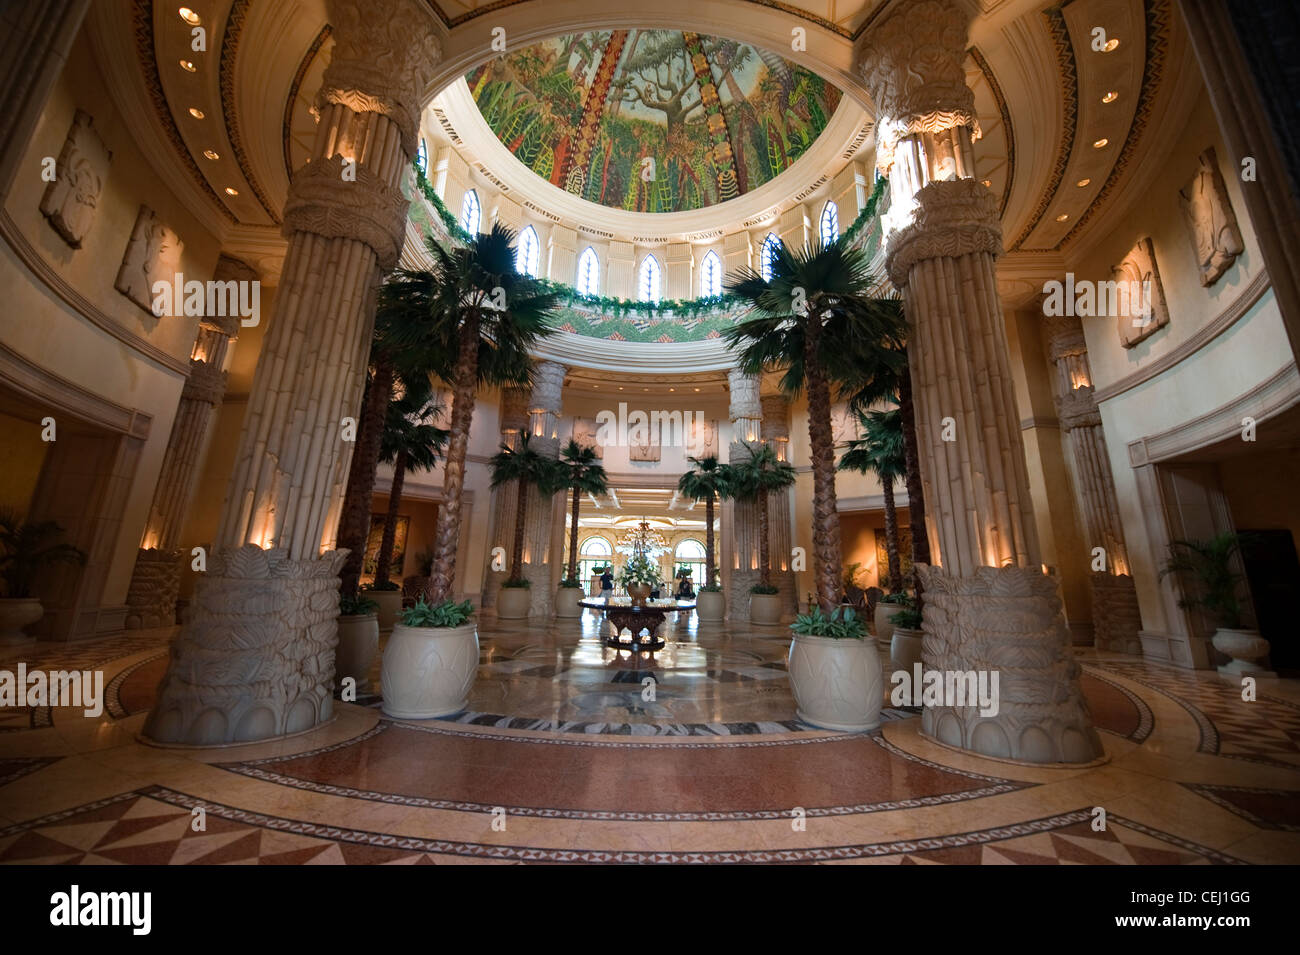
592	553
471	213
528	252
766	255
711	275
422	157
588	282
829	226
690	554
648	281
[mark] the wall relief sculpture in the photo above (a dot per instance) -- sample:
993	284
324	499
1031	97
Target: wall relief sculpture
584	432
703	439
153	254
1138	298
71	199
1211	223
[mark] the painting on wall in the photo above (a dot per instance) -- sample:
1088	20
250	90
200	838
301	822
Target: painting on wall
904	554
652	120
370	563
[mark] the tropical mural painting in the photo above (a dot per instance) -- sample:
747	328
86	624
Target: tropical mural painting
652	120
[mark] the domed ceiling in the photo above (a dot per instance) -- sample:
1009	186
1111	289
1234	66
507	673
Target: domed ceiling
652	120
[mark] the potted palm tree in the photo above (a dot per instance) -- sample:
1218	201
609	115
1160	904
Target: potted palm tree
753	478
835	672
582	474
430	661
358	639
907	637
1212	584
527	468
804	313
410	443
26	548
704	482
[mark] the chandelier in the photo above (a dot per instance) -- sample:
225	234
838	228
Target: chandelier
645	541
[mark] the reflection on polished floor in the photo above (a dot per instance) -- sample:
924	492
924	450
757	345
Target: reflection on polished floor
589	762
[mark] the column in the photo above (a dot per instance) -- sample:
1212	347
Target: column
155	582
746	414
541	558
1116	618
988	606
514	421
775	429
35	39
256	659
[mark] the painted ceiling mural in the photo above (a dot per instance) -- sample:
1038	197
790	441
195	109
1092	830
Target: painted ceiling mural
652	120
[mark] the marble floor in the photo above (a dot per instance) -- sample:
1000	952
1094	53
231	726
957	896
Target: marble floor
566	755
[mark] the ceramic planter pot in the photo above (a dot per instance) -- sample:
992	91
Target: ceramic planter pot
390	606
711	606
639	593
427	672
358	644
884	621
16	613
765	609
905	648
514	603
1246	647
566	602
837	684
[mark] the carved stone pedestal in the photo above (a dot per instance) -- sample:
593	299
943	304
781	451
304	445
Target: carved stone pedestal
259	661
1006	620
155	585
1116	619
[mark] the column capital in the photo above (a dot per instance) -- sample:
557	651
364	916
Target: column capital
384	56
951	219
548	384
745	402
1078	409
206	383
367	209
1063	335
912	65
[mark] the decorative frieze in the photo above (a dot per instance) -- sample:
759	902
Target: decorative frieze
71	200
1140	315
153	254
1211	222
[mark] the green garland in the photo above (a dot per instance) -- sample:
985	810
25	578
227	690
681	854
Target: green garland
868	213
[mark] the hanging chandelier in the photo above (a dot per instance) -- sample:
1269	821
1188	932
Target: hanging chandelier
644	541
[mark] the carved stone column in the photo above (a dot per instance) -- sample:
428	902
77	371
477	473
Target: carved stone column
746	414
35	39
989	607
155	582
541	561
775	430
514	422
256	659
1115	614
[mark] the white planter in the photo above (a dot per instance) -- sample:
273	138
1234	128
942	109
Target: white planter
905	648
711	606
566	601
765	609
1246	647
390	606
427	672
358	644
16	613
884	621
514	603
837	684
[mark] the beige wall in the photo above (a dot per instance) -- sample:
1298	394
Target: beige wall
23	453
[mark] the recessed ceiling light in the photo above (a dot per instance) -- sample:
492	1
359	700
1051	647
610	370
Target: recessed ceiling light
672	389
620	387
988	182
1110	45
189	16
196	112
1101	143
231	192
1110	97
187	66
1083	182
697	389
1062	217
211	154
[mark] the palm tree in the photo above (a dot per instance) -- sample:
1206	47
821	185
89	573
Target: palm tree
581	474
753	478
879	451
410	443
706	481
484	316
527	467
818	303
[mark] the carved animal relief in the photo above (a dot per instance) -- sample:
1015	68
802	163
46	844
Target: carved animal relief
584	432
71	199
152	255
703	439
1139	296
1211	223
